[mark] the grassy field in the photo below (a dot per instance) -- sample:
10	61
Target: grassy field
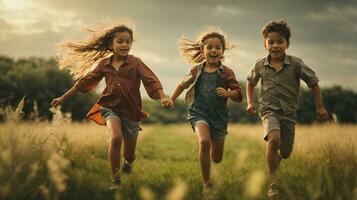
64	160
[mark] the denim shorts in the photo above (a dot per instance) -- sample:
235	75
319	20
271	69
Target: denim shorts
128	127
216	133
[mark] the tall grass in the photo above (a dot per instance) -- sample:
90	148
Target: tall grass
31	162
66	160
323	164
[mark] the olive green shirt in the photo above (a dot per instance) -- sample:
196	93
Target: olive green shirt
280	89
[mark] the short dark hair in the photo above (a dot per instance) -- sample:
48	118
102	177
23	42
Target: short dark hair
279	26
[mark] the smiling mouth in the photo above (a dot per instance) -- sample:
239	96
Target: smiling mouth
213	56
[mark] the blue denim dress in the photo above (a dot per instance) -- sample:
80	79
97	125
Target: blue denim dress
208	106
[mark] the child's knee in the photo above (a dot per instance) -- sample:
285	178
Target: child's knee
274	139
116	140
284	154
274	143
205	145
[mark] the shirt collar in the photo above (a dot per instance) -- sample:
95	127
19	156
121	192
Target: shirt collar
220	68
286	60
107	60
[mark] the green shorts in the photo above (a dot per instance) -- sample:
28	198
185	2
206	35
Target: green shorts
273	121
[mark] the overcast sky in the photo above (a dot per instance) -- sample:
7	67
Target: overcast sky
324	33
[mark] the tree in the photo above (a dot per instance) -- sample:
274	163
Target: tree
39	80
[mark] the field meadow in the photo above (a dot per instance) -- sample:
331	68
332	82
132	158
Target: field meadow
66	160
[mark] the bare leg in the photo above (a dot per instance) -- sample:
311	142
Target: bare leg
114	126
217	149
272	155
129	147
204	150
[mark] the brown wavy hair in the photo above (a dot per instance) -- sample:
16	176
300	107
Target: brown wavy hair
192	50
79	56
279	26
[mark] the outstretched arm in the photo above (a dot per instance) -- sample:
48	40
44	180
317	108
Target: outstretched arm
250	99
57	101
179	89
161	94
185	83
320	110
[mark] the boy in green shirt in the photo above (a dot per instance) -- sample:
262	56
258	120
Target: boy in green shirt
280	76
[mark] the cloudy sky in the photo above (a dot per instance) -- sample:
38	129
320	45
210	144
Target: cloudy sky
324	32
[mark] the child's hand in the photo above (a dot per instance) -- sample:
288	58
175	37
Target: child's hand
322	114
222	92
57	101
251	109
170	104
167	103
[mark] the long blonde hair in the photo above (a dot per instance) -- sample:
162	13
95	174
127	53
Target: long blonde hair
191	50
79	56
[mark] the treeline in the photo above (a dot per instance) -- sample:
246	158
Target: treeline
40	81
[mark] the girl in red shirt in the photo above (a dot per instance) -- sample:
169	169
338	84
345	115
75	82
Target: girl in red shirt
119	106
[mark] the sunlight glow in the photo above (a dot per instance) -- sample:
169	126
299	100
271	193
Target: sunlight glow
14	4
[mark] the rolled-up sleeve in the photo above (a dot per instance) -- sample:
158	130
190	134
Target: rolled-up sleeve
90	80
188	79
307	74
151	82
234	85
254	76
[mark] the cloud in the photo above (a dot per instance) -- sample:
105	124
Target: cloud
222	10
37	18
154	58
323	32
334	64
337	14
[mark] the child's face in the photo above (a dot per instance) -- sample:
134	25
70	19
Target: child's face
213	50
121	44
276	45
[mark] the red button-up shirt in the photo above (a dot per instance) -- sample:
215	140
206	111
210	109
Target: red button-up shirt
122	91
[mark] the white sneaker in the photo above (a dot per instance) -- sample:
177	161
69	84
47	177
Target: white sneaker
273	190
